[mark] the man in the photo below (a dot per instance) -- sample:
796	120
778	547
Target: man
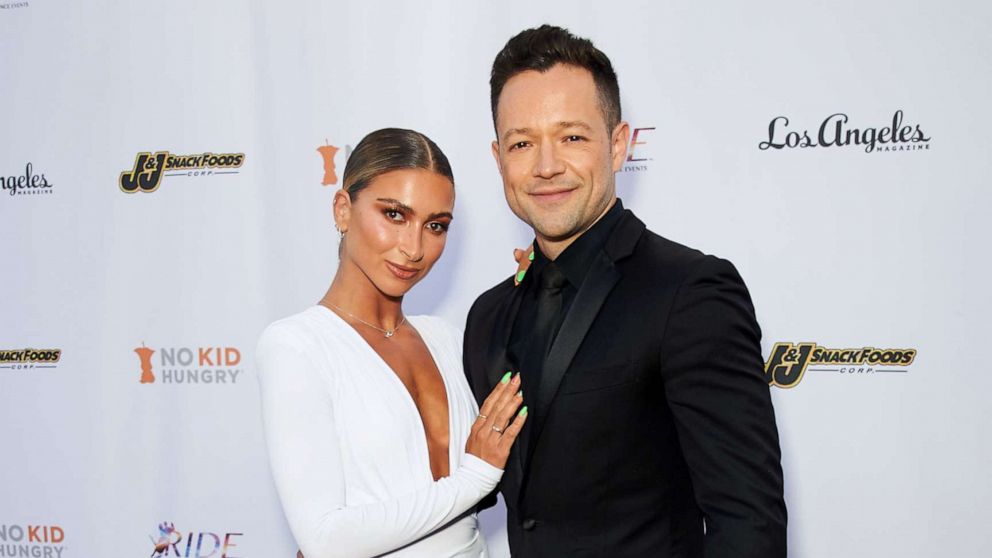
651	429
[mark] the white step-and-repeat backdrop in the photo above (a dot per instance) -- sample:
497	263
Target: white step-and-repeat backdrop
836	152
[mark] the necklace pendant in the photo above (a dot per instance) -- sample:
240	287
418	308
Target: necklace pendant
390	333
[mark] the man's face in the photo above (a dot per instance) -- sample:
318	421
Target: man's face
555	153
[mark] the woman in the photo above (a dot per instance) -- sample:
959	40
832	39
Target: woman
374	438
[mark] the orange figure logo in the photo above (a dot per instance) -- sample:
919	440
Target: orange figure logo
328	152
145	354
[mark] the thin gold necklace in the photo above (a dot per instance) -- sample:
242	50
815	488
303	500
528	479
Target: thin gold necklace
387	332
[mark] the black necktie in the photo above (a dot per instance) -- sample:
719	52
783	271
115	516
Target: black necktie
542	333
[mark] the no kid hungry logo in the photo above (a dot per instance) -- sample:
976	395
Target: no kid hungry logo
189	365
37	541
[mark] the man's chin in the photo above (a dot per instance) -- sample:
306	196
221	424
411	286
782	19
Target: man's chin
557	233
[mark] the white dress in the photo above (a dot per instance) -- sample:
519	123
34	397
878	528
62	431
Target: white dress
347	445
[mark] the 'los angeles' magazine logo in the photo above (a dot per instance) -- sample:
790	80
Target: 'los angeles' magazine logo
835	131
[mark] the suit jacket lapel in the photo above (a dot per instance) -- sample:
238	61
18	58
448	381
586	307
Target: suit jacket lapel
497	360
603	275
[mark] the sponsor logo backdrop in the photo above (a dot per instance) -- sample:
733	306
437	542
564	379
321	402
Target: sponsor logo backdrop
162	202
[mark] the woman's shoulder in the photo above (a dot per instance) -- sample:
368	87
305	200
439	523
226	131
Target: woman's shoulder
309	340
299	331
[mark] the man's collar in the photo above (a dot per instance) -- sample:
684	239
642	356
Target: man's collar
575	261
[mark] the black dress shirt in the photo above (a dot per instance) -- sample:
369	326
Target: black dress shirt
574	263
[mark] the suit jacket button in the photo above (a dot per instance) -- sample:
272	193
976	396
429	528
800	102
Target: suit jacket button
528	524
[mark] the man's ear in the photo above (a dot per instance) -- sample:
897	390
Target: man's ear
341	206
621	139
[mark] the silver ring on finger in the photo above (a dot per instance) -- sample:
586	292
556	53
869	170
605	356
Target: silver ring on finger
497	429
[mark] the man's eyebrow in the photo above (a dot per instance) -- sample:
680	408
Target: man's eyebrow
574	124
512	131
561	126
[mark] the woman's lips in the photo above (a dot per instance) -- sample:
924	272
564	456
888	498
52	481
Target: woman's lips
404	273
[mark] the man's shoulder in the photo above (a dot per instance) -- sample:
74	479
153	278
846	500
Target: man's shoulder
662	257
632	242
490	300
660	247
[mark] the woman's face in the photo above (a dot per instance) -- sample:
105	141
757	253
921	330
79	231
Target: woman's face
396	228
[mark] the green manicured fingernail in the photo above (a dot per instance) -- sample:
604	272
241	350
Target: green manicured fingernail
520	276
523	412
531	256
506	378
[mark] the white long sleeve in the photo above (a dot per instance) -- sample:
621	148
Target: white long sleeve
302	420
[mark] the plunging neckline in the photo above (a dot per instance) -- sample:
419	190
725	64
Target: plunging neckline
408	396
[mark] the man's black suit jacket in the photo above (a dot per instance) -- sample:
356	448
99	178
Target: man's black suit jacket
653	428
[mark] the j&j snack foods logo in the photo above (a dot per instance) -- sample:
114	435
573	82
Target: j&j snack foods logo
789	362
29	359
188	365
31	540
150	168
169	541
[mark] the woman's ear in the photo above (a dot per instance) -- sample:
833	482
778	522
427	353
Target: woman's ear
342	211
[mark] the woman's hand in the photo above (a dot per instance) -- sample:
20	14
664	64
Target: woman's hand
493	432
523	259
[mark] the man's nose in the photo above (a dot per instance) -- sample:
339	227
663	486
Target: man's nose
548	163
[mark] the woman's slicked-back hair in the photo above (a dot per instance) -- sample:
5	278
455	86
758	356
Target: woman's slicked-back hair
392	149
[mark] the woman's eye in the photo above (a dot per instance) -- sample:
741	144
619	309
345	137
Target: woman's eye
393	215
437	227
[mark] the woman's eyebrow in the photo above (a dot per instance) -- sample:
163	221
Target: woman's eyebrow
398	205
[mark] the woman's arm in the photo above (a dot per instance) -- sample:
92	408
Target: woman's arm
305	457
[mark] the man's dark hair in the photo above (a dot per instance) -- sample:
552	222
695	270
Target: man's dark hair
544	47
